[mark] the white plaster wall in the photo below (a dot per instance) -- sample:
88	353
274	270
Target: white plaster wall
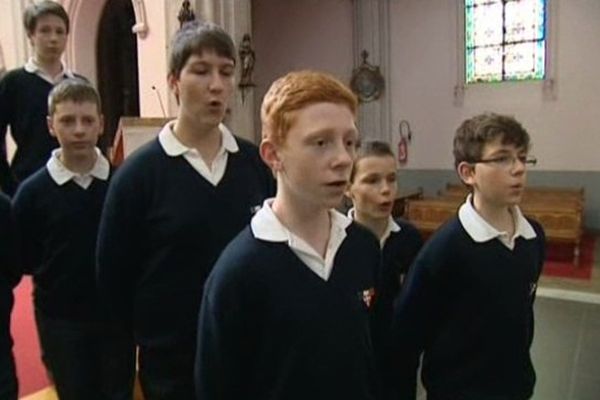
565	132
12	34
152	59
292	35
80	53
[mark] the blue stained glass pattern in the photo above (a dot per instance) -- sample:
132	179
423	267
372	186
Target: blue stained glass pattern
504	40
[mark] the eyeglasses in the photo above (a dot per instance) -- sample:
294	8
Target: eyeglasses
508	162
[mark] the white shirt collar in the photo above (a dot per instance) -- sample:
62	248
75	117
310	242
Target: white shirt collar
34	68
61	174
481	231
173	146
266	226
214	172
392	226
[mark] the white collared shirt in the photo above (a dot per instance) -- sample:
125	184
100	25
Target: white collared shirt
481	231
392	226
33	67
212	173
266	226
61	174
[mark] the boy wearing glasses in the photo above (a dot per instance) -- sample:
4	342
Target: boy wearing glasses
467	304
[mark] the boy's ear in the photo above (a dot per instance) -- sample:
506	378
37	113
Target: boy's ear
50	124
173	84
269	152
466	172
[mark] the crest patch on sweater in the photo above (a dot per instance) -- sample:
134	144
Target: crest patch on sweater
367	296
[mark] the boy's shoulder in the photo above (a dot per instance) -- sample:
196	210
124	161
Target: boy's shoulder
79	76
356	232
448	240
240	259
13	76
141	161
407	229
38	181
14	73
246	249
537	227
4	204
248	149
244	144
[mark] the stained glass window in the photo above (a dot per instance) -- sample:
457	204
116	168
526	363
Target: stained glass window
505	40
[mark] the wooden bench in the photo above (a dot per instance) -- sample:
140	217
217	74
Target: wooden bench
559	211
402	197
531	194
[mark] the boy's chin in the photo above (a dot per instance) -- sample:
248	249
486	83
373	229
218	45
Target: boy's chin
332	202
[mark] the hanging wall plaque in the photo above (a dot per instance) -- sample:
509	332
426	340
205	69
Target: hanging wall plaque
367	81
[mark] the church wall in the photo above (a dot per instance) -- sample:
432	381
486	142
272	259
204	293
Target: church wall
424	66
293	35
564	130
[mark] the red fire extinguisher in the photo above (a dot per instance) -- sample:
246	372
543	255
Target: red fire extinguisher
405	138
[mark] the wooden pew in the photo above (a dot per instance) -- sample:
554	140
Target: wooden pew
559	211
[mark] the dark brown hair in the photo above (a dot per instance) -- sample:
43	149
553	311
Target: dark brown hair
35	11
374	148
195	37
474	133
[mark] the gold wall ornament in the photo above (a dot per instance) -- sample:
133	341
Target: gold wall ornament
367	81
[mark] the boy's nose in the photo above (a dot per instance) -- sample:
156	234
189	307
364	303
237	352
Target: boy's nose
344	157
79	129
518	166
386	187
216	82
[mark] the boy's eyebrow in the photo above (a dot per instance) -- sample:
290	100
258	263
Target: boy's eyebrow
204	63
506	150
329	131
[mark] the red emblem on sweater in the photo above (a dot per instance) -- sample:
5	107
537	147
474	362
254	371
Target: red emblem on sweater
368	296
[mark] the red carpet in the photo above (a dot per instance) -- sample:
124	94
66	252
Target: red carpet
560	262
30	371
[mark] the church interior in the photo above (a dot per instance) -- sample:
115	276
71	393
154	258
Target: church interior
406	61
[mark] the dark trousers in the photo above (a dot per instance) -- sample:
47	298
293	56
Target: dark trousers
167	373
87	360
8	379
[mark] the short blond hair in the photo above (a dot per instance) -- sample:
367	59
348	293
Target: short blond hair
295	91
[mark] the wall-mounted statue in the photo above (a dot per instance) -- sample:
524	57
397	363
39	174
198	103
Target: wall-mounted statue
247	59
186	14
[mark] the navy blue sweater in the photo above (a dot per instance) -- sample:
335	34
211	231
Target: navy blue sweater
469	307
7	276
58	227
24	107
398	253
162	229
270	328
